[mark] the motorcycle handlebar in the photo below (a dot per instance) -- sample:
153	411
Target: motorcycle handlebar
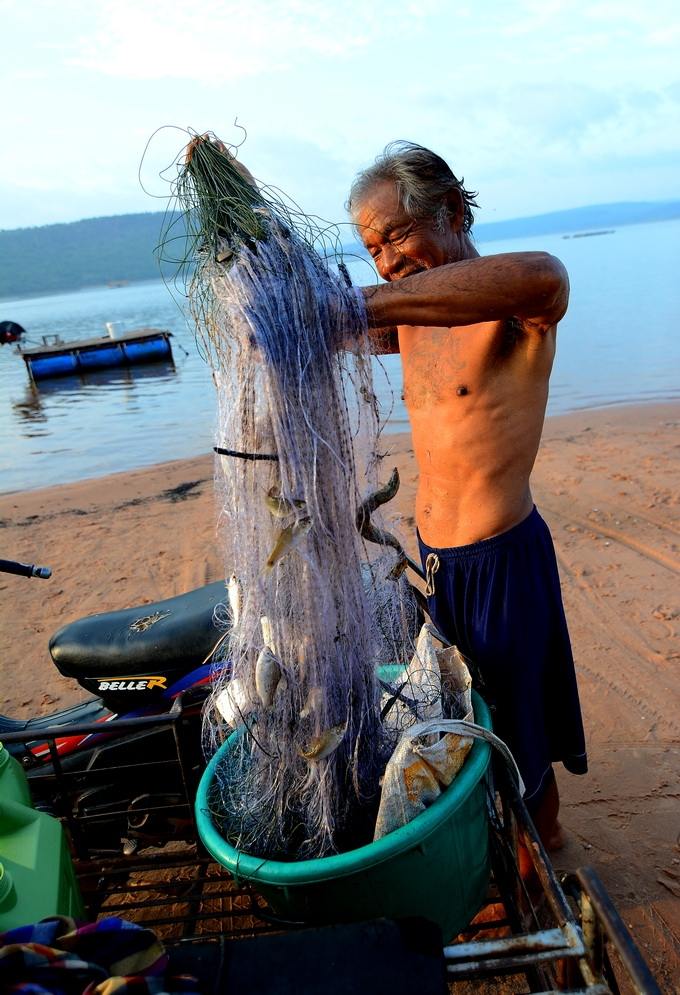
24	569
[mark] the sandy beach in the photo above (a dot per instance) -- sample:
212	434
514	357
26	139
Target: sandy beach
608	484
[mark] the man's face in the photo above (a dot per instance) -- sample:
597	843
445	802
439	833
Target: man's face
400	245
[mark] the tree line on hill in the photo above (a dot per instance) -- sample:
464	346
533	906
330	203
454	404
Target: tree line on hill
94	252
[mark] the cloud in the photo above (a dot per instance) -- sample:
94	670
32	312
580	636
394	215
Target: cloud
219	42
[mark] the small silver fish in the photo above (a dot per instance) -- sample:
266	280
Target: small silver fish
324	744
235	598
374	500
233	703
398	568
280	506
371	533
267	634
312	703
267	676
287	540
365	526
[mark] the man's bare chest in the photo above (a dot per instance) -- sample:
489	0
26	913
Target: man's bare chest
441	365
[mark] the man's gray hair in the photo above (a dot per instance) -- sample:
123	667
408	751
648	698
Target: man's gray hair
423	181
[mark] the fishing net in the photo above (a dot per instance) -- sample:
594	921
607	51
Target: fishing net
317	596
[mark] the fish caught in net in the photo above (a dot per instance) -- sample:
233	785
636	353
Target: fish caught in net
317	597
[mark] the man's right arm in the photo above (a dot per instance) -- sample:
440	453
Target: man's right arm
532	286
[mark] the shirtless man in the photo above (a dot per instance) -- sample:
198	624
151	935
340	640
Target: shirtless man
476	337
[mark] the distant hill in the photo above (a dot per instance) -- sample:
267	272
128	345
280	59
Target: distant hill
101	251
95	252
579	219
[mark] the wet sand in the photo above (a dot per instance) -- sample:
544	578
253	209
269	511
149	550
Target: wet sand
606	481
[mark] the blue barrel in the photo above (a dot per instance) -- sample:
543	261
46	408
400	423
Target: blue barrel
53	366
143	352
96	359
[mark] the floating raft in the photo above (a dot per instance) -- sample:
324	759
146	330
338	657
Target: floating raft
58	359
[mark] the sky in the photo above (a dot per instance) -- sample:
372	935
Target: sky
539	104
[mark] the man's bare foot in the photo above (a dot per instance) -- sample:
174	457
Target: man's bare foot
544	816
555	841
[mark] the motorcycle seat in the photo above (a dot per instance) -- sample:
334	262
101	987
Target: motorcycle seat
167	637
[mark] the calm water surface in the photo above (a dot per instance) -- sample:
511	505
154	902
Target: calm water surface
619	343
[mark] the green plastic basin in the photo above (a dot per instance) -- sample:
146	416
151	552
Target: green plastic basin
436	867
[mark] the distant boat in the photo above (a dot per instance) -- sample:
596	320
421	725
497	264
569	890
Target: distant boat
56	358
588	234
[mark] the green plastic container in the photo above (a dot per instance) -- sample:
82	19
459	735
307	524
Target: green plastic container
36	873
13	783
436	867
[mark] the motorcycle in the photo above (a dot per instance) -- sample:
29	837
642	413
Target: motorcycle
110	758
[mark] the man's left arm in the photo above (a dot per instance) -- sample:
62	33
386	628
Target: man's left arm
531	286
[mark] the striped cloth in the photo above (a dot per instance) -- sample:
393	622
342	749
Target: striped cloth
111	957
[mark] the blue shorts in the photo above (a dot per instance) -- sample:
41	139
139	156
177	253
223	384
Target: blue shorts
499	601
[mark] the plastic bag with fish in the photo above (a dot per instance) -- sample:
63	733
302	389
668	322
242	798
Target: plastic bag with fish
425	763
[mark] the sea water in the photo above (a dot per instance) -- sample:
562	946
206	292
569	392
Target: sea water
618	344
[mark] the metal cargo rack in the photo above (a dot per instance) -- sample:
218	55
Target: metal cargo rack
564	937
